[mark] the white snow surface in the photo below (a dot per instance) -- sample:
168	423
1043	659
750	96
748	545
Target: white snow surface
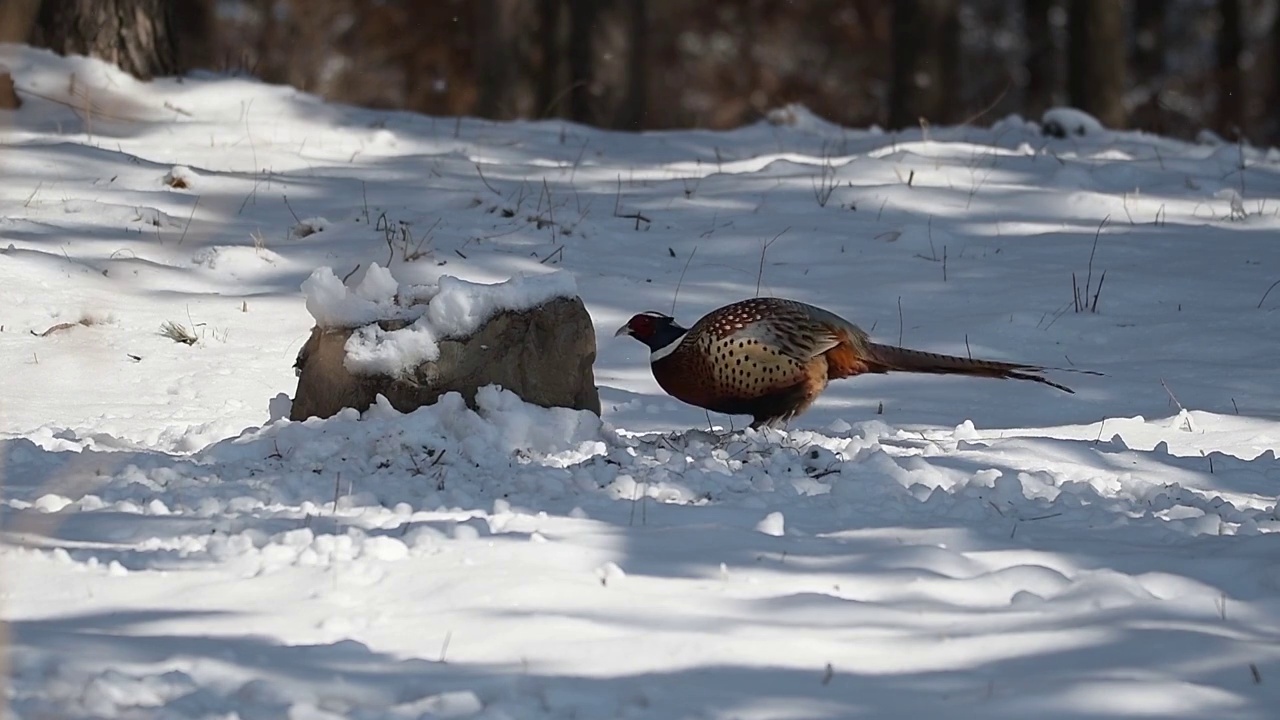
913	546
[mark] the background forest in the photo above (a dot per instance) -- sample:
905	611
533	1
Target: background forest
1173	67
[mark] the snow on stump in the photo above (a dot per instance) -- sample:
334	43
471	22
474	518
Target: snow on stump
413	343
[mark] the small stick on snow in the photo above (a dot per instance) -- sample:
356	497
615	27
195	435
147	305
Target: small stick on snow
1171	396
558	251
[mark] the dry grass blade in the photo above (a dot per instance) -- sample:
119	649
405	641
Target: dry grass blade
82	322
763	250
178	333
676	296
1268	292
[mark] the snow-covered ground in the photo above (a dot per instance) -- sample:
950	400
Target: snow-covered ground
912	547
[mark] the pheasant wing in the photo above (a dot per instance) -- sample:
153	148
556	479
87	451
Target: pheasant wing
756	348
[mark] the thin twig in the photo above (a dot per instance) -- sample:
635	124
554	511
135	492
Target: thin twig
1268	292
973	118
899	320
1171	396
760	271
1088	283
189	217
444	647
483	180
1103	278
291	212
680	282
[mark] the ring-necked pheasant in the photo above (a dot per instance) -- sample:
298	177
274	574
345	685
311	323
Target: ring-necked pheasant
770	358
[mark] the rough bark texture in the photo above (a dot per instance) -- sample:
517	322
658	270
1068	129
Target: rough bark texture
926	58
1096	59
544	355
136	35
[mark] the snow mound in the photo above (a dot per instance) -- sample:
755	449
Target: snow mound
1064	122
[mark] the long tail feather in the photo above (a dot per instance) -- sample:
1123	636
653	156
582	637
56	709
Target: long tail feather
889	358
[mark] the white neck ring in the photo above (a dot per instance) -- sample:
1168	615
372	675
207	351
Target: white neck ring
667	349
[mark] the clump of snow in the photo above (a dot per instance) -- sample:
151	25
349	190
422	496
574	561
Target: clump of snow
610	574
180	177
334	305
1061	122
371	350
307	227
1209	137
461	307
797	116
451	308
773	524
1235	201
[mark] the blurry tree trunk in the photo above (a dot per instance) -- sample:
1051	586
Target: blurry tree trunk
635	100
549	82
1148	64
17	17
926	53
1230	108
1096	59
136	35
496	59
582	17
1275	79
1149	39
1042	67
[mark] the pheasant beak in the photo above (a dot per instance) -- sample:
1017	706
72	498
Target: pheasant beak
624	330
